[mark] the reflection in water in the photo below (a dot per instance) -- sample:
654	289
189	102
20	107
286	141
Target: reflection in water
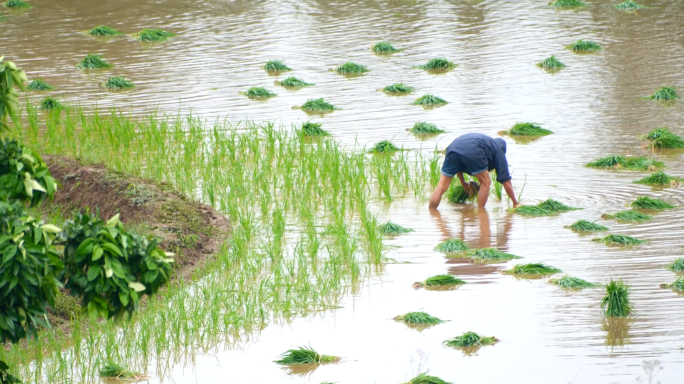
617	330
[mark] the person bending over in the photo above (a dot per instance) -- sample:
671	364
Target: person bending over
475	154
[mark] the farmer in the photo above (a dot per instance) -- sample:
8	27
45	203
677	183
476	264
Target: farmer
475	154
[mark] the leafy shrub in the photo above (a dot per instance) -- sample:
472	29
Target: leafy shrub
23	174
5	376
10	76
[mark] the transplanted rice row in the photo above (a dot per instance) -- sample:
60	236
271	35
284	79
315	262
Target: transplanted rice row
664	94
103	31
587	226
647	202
569	282
627	216
293	82
419	318
663	138
39	85
620	240
153	35
452	246
659	178
616	302
259	93
470	339
398	89
527	129
385	47
305	355
624	162
532	269
439	281
117	82
93	61
424	378
424	128
551	64
392	229
350	68
584	46
439	64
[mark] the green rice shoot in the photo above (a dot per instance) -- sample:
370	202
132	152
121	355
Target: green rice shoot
581	46
457	194
532	269
452	246
647	202
118	372
259	93
384	146
664	93
397	89
313	129
677	285
619	239
419	318
587	226
317	105
424	378
392	229
470	339
659	178
50	103
527	129
276	66
552	205
93	61
567	3
663	138
350	68
117	82
103	31
570	282
385	47
429	100
293	82
153	35
438	64
17	4
551	64
531	210
39	85
616	302
490	254
304	355
628	215
424	128
630	5
442	280
624	162
677	265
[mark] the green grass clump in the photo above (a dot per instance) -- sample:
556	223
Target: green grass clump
50	103
551	64
677	285
93	61
632	163
317	105
429	100
419	318
552	205
441	280
438	64
304	355
39	85
313	129
630	5
616	302
276	66
587	226
103	30
628	216
391	229
149	35
490	254
384	146
423	128
532	269
424	378
470	339
350	68
619	239
677	265
646	202
452	246
259	93
385	47
293	82
117	371
17	4
398	88
567	3
531	210
572	283
527	129
659	178
584	46
117	82
664	93
663	138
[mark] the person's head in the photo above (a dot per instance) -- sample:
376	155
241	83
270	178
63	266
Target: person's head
501	143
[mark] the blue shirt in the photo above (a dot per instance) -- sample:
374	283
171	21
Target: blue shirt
475	153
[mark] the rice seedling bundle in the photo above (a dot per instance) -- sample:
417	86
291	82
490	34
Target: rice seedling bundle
587	226
398	88
532	269
293	82
663	138
551	64
490	254
304	355
647	202
470	339
664	93
423	128
117	82
317	105
552	205
313	129
584	46
616	302
452	246
531	210
93	61
438	64
632	163
17	4
428	100
150	35
677	266
629	5
385	47
103	30
350	68
567	3
419	318
384	146
628	216
259	93
527	129
572	283
117	371
276	66
39	85
392	229
424	378
50	103
457	194
659	178
677	285
440	280
619	239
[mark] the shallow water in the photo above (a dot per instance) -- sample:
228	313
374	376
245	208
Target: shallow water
547	335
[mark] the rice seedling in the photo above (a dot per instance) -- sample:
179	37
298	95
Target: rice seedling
259	93
616	302
103	31
424	378
569	282
587	226
531	210
659	178
470	339
677	265
16	4
457	194
438	281
439	64
93	61
118	372
647	202
429	100
630	5
532	269
50	103
452	246
384	146
385	47
552	205
490	254
677	285
527	129
313	129
392	229
631	163
419	318
628	215
567	3
316	105
350	68
583	46
663	138
305	355
423	128
664	93
276	66
619	239
153	35
39	85
397	89
551	64
117	82
293	82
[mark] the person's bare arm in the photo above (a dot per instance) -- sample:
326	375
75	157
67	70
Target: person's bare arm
462	180
508	186
485	182
442	187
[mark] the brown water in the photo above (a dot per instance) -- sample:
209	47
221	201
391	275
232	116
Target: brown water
547	335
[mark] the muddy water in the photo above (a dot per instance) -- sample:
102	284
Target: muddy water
593	106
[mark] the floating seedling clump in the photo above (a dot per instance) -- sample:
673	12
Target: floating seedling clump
552	205
151	35
470	339
384	146
103	31
663	138
293	82
632	163
457	194
392	229
423	128
619	239
50	103
572	283
259	93
582	46
490	254
587	226
531	210
677	265
39	85
439	281
398	89
527	129
385	47
532	269
350	68
317	105
664	93
630	5
647	202
305	355
117	82
627	216
616	302
424	378
677	285
118	372
659	178
439	64
551	64
429	100
419	318
313	129
93	61
17	4
567	3
452	246
276	66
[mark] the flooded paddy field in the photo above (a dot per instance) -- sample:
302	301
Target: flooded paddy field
593	106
